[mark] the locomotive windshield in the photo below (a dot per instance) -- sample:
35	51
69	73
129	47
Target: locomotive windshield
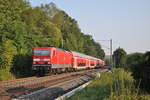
41	52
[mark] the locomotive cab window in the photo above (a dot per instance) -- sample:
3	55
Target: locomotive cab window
41	52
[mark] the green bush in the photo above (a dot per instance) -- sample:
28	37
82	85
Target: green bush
7	51
139	65
5	74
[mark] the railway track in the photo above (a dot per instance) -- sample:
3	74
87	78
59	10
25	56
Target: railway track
19	87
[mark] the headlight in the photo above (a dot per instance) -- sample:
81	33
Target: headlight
46	59
36	59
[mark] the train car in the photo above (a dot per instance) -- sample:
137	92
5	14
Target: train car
99	63
93	62
80	61
103	63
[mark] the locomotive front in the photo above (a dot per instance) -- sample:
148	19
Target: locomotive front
41	59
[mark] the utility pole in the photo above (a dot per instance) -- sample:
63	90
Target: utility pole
110	48
111	62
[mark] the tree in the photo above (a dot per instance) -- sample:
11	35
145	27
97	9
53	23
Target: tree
45	33
100	51
141	70
119	57
133	59
12	31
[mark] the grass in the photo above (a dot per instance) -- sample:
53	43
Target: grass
6	75
118	85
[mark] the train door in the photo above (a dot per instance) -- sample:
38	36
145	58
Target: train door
75	62
87	63
54	58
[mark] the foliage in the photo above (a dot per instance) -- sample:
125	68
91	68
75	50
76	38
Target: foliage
7	51
133	59
41	30
118	85
5	74
119	57
140	66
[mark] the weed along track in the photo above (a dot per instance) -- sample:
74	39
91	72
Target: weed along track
42	88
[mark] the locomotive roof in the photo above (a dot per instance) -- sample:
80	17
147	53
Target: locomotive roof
55	48
62	50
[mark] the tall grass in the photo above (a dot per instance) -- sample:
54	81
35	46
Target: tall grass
118	85
5	74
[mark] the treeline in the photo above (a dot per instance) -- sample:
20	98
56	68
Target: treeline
137	63
23	27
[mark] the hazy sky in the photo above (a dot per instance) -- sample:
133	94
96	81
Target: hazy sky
127	22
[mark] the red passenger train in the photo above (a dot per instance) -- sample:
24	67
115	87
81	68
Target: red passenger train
55	60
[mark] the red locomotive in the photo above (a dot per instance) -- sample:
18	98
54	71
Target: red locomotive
55	60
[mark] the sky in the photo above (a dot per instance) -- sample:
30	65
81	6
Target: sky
126	22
